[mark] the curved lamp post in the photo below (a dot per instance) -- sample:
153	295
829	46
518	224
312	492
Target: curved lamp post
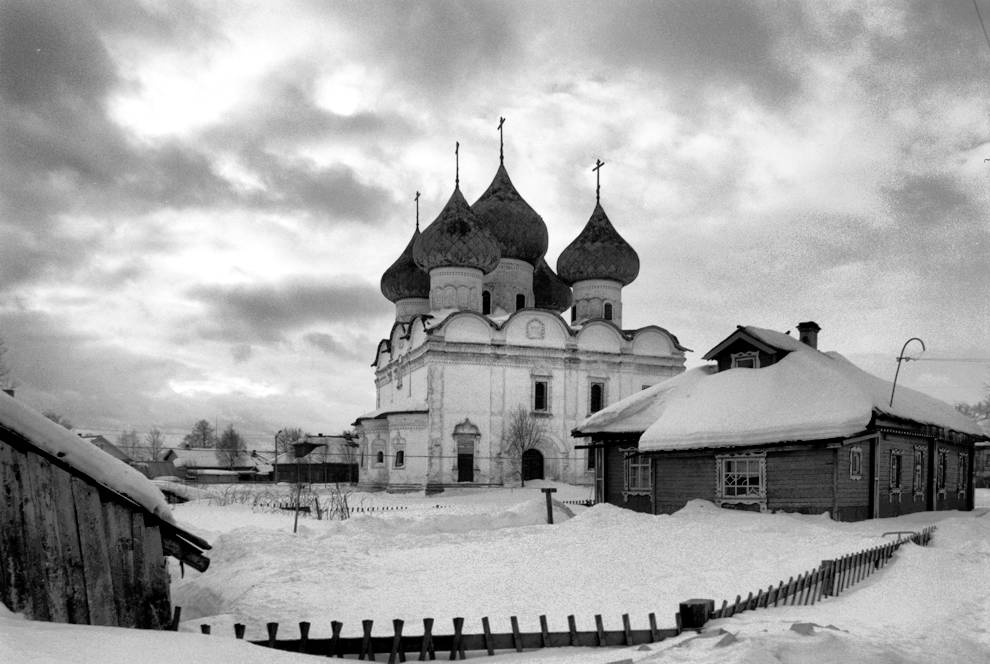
907	359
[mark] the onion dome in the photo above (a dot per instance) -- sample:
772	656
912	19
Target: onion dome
549	290
598	252
456	238
520	231
404	279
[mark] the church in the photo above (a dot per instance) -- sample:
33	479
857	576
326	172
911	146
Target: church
494	358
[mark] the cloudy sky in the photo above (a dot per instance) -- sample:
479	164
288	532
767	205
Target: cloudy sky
197	199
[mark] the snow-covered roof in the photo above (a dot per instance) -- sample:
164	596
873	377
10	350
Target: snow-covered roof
808	395
410	407
82	455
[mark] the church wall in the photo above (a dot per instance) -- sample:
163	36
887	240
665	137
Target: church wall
536	329
651	342
601	337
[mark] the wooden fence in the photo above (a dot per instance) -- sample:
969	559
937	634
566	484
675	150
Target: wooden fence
831	578
425	646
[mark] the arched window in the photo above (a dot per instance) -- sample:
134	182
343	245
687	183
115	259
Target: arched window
520	301
608	311
597	397
486	302
380	458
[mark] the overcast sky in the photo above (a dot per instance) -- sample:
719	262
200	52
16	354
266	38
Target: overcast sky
197	199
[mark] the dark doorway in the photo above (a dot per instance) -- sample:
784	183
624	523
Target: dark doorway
532	465
465	461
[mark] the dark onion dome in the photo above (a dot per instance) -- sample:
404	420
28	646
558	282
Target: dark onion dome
456	238
598	252
404	278
549	290
520	232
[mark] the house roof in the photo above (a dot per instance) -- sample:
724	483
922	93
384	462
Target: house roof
107	446
206	457
808	395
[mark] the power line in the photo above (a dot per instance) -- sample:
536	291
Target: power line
979	15
949	359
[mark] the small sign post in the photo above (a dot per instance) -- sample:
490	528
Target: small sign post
549	504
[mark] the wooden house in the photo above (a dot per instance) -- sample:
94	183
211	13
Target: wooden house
208	465
83	536
775	424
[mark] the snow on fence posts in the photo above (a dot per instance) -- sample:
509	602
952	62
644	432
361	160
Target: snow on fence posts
831	578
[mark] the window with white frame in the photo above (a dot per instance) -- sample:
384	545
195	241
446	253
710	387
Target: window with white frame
940	471
856	463
638	475
747	360
541	395
918	472
742	477
896	465
962	477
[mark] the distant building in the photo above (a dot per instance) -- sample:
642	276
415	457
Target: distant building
209	465
479	334
775	424
107	447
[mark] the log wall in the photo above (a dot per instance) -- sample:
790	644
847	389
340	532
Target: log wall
70	553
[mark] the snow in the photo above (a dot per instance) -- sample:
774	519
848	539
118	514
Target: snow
808	395
82	455
477	553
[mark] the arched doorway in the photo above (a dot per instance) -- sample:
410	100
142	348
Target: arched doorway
532	465
466	436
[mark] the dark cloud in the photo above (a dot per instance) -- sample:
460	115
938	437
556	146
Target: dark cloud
330	345
698	46
241	352
265	313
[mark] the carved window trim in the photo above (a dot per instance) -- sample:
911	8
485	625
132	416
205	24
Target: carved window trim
746	360
731	468
855	462
918	472
896	481
637	473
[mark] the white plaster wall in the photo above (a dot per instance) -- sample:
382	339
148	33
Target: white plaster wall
599	336
536	328
652	342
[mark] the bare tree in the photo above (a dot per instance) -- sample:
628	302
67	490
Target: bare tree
202	435
523	431
229	446
58	419
286	437
129	443
154	441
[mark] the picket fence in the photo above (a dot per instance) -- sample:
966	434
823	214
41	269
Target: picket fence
830	579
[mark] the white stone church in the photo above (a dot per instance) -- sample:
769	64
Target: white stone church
479	333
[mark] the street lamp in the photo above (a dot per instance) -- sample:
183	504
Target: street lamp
906	359
275	460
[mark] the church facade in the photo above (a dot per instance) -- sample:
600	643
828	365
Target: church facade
494	358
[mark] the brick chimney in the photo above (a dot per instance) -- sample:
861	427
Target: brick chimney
808	333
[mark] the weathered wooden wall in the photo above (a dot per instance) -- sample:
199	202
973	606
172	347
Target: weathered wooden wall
70	553
800	480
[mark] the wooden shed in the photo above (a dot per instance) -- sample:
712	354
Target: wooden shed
775	424
83	537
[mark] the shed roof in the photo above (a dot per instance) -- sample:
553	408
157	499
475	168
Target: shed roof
90	462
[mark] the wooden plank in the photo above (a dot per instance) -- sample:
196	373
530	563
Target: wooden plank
544	631
95	556
117	531
158	592
488	635
64	509
16	524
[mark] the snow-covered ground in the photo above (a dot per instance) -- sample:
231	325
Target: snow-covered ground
490	553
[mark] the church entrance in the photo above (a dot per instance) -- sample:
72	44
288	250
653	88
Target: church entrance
532	465
465	462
